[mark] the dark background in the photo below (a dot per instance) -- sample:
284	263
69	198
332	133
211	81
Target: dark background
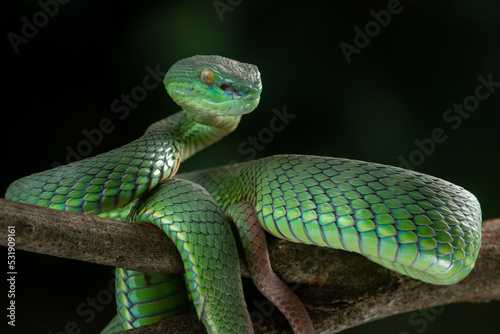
395	91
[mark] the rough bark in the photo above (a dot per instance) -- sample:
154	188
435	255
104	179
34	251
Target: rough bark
340	289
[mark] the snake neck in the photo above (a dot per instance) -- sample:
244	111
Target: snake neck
196	132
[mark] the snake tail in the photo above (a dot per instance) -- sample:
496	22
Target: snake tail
254	244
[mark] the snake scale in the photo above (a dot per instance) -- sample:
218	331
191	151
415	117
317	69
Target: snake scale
413	223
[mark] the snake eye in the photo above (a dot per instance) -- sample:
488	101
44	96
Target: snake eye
207	77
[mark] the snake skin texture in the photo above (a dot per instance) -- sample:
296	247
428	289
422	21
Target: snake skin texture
195	223
254	244
145	298
114	183
105	182
416	224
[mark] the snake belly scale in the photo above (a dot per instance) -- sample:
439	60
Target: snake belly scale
416	224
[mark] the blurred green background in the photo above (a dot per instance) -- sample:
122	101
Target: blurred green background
395	90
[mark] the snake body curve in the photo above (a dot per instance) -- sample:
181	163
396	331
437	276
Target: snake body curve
413	223
213	92
410	222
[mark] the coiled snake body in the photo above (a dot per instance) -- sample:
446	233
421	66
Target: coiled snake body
410	222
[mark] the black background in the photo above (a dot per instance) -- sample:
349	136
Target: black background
394	92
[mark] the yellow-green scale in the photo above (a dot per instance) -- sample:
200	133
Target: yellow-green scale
196	225
145	298
409	222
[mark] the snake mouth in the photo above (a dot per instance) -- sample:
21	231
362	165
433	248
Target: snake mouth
252	95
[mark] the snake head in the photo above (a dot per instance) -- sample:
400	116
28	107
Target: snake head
212	86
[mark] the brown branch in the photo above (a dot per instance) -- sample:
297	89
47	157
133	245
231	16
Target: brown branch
340	289
89	239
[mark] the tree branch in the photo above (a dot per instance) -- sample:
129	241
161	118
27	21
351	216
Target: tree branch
340	289
90	239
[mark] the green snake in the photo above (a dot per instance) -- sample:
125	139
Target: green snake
413	223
